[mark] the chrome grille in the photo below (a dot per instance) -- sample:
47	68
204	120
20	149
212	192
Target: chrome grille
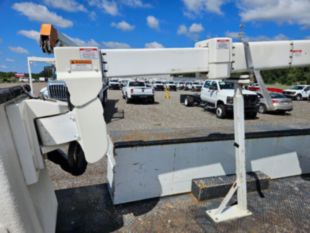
58	90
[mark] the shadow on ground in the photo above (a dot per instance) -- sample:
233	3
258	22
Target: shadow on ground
90	209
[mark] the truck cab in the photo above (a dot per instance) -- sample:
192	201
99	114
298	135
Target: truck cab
218	95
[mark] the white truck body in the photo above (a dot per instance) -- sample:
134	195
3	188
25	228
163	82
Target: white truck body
298	92
138	90
219	95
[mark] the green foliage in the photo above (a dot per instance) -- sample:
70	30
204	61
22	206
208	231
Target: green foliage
287	76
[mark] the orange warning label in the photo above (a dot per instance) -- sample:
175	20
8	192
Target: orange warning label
81	62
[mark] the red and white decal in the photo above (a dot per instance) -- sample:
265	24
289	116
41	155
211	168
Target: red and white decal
222	43
89	53
296	51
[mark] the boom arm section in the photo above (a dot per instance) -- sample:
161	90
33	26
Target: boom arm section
51	38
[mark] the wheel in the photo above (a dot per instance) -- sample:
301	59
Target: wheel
262	108
252	115
298	97
188	101
220	111
152	100
127	99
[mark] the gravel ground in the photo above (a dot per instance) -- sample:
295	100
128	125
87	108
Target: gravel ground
169	113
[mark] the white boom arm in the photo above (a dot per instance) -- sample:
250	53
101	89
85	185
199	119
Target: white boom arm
220	57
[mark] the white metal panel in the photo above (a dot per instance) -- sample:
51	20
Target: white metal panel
92	130
300	53
152	171
81	72
126	62
24	208
58	130
23	146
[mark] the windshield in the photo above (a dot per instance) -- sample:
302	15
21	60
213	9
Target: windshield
158	82
297	87
171	82
226	85
137	84
277	96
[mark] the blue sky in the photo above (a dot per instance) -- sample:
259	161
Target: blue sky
141	23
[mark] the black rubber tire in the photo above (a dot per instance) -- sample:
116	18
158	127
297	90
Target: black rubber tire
251	115
262	108
152	100
73	163
298	97
127	99
220	111
188	101
76	159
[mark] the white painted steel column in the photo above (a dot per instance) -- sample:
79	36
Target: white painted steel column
240	146
225	212
30	76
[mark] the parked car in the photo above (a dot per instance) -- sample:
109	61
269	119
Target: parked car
170	85
197	85
298	92
280	103
138	90
256	87
114	84
158	85
123	83
180	85
188	86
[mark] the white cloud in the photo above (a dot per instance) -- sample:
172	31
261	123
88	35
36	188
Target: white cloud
153	45
31	34
3	67
196	7
192	31
152	22
123	26
115	45
196	28
136	3
109	7
281	11
9	60
19	49
40	13
66	5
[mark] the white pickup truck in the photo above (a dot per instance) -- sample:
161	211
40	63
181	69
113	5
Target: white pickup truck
218	95
138	90
298	92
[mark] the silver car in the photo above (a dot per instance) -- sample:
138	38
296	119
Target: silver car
280	103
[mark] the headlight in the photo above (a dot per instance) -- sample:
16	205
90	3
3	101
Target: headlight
230	100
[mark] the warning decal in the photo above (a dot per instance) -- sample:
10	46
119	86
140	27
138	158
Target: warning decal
89	53
222	44
81	65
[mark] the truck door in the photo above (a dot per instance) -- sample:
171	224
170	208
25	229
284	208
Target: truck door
212	92
205	90
306	92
